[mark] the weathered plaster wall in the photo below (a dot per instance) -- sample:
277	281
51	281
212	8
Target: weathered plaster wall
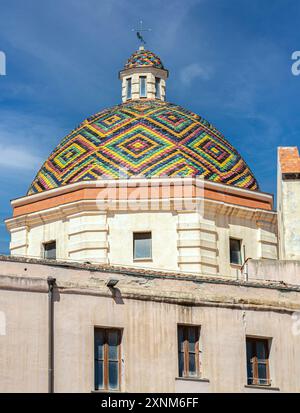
287	271
24	346
148	310
289	212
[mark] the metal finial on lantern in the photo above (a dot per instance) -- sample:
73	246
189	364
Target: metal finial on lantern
139	30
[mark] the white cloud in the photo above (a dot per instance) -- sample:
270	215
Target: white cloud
26	140
17	157
193	71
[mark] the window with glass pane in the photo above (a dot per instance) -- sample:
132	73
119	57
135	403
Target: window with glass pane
143	93
142	245
128	88
107	359
258	361
235	251
49	250
157	88
188	351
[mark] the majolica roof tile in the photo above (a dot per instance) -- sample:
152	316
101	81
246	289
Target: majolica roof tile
142	58
148	138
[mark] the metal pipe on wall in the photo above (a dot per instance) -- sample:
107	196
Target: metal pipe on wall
51	283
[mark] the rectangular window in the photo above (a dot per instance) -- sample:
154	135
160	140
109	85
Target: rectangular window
107	358
143	92
128	88
258	361
235	251
157	88
188	351
49	250
142	245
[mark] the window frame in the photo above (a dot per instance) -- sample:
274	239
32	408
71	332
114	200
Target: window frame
133	239
140	84
240	250
128	88
157	87
255	362
186	351
44	250
106	331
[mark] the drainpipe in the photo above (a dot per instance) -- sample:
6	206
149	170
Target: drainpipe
51	283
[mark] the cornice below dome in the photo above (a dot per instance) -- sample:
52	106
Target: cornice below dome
148	138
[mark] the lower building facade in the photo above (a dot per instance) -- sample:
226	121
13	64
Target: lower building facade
127	330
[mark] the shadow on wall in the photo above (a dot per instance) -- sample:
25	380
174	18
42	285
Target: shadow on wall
116	295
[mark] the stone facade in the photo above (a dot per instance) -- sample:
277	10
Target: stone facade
184	237
151	74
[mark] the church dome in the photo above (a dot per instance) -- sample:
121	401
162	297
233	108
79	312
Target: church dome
145	138
144	58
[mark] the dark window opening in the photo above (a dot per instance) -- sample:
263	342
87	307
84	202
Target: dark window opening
157	88
235	251
143	92
258	371
49	250
128	88
107	358
142	245
188	351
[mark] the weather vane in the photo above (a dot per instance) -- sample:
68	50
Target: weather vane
139	30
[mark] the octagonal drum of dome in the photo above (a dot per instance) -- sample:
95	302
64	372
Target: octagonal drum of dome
147	138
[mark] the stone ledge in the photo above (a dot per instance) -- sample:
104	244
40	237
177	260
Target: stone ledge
87	245
193	379
198	243
212	261
258	387
156	274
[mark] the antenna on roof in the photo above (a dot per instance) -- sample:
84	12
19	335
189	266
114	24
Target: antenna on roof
139	30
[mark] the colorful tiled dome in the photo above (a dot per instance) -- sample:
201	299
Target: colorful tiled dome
142	58
143	138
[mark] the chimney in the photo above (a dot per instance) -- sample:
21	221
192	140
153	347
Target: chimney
288	203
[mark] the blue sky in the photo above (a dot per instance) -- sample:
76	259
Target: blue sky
229	61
